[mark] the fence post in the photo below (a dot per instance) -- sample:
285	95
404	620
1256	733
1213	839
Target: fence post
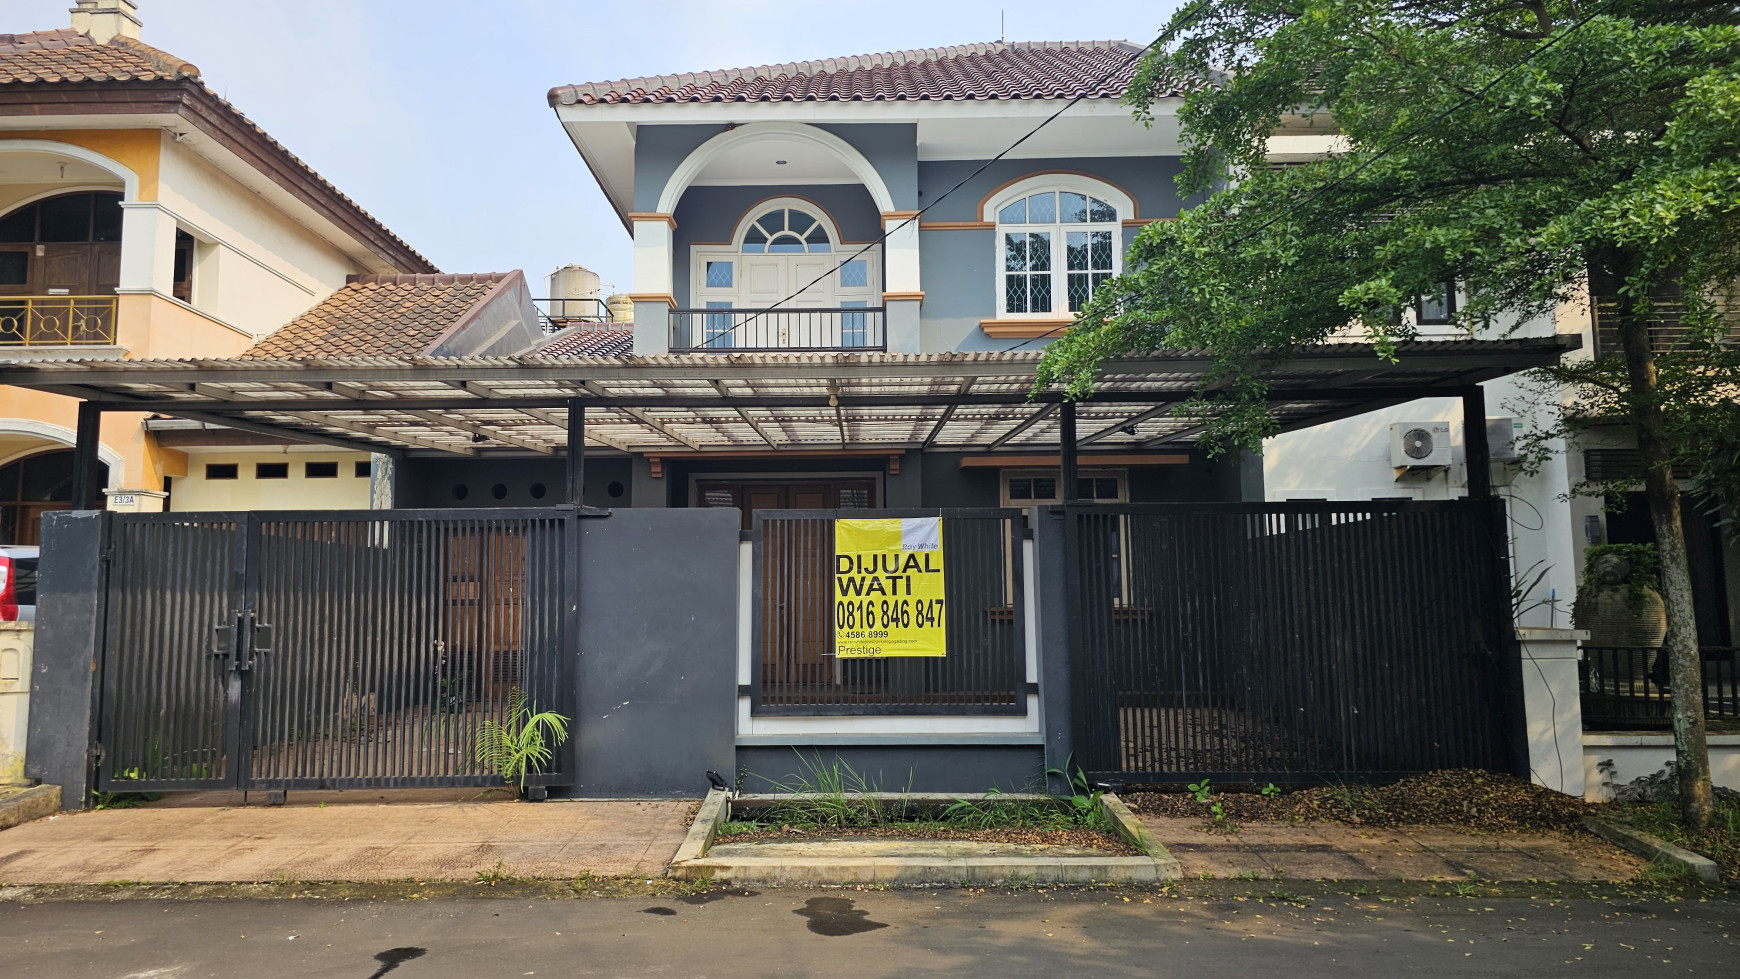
576	451
86	493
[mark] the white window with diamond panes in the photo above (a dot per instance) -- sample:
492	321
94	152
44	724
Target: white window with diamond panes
1055	247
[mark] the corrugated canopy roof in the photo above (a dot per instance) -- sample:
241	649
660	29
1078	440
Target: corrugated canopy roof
734	402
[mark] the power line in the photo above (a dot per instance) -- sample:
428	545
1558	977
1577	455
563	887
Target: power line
883	238
1470	99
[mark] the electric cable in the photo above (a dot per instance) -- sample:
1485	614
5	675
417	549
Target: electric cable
1468	100
1159	39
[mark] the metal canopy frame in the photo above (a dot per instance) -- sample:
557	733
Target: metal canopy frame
697	403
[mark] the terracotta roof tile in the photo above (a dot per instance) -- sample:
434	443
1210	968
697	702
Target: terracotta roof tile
379	315
66	56
1024	70
588	342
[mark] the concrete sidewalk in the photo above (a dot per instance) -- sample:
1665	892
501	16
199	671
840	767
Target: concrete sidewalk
1334	852
430	839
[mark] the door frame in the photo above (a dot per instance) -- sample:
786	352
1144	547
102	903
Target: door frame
877	476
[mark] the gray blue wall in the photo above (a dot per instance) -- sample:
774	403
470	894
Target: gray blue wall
958	267
657	676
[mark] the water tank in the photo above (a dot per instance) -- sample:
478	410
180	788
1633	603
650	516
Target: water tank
573	282
621	308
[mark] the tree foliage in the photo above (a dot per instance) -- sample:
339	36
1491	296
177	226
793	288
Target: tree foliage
1522	149
1503	145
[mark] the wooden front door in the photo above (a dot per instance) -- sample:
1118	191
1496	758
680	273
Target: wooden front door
486	579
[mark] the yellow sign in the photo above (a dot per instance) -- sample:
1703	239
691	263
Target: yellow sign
888	588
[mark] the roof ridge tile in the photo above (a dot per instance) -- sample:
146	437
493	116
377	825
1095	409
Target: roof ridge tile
984	70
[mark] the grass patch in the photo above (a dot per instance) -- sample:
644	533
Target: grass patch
1720	843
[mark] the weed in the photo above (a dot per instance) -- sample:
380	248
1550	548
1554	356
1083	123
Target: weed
495	875
1270	791
1248	875
1084	798
1200	790
1360	890
832	796
1659	871
1286	896
1464	889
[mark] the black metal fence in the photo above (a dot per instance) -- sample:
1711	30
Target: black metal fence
1289	642
739	330
329	650
796	671
1626	687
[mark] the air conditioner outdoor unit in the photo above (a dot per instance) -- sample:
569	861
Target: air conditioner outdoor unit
1501	437
1416	445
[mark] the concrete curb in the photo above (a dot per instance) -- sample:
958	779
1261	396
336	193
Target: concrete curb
32	803
692	861
1645	845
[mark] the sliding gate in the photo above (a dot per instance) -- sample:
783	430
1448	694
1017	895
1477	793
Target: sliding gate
1289	642
330	649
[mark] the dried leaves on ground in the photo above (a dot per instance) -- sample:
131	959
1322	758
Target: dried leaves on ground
1459	797
1027	836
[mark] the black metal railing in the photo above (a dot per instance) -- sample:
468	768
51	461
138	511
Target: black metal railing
843	328
330	650
1287	641
555	315
796	671
1626	687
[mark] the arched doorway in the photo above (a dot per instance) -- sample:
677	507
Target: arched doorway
33	486
68	245
71	243
784	253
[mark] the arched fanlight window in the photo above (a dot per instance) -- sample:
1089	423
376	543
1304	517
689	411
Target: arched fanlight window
785	230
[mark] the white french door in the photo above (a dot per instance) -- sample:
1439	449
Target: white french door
728	279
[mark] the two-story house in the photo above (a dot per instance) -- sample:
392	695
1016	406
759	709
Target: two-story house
143	216
896	202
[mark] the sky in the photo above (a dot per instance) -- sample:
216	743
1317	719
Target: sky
431	114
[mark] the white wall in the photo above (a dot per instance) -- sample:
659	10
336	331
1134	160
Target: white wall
1636	755
267	267
1350	460
195	493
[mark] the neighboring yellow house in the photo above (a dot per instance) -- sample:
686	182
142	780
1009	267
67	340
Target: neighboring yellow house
141	215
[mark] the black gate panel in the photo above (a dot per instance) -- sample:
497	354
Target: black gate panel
1289	642
170	690
797	673
394	639
331	649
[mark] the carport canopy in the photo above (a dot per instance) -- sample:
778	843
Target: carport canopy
700	403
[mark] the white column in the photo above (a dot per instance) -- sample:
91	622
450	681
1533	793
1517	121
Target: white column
652	254
652	283
1554	707
900	252
147	248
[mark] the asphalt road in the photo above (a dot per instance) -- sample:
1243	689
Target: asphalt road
879	933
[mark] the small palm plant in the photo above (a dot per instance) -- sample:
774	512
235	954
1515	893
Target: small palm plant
522	743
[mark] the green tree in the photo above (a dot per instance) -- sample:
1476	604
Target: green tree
1513	146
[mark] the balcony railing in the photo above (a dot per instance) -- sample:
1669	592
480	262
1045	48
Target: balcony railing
555	315
844	328
57	321
1626	687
